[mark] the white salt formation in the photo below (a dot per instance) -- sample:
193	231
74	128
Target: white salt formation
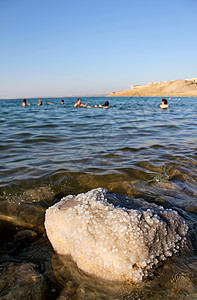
113	242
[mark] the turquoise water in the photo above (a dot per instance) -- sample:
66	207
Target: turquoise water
133	148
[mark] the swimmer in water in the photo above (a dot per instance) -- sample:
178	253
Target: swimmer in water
62	101
79	104
25	103
40	102
106	105
164	104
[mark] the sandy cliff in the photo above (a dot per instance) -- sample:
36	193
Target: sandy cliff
174	88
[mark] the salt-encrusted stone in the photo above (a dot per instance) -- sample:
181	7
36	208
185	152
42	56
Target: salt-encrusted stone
113	236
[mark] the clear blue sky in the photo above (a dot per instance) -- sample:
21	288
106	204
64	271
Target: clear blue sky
64	47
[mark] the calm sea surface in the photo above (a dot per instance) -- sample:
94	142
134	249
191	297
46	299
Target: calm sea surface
50	151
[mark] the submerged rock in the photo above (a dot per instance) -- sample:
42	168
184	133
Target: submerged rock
113	236
22	281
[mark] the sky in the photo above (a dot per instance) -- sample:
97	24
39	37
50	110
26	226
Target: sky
52	48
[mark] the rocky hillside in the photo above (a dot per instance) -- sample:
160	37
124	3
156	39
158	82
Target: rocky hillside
174	88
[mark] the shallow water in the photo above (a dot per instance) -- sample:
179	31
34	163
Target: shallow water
50	151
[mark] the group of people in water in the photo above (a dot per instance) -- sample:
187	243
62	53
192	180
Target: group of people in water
163	105
79	104
24	103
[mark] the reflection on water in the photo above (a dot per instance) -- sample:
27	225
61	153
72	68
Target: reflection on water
132	148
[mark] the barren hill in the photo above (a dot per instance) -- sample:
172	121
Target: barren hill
174	88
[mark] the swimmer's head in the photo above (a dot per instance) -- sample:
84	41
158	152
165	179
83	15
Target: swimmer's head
107	103
79	100
62	101
164	101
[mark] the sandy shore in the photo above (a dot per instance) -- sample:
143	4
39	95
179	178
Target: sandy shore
173	88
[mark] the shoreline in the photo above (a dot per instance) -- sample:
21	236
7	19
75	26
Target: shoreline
173	88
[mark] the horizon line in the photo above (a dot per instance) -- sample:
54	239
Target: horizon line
49	97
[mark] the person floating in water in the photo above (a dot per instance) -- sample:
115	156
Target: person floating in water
106	105
164	104
79	104
25	103
40	102
62	101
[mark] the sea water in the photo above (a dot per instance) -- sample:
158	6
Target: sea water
50	151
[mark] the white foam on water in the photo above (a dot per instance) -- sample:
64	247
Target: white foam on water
111	242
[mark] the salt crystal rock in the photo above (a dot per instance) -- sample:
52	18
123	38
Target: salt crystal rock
113	236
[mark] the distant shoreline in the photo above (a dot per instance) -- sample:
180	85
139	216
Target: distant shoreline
173	88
